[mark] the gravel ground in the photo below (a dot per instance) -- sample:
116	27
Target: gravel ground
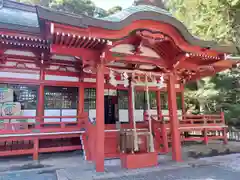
71	166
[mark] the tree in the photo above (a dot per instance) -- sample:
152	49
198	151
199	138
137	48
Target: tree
36	2
213	20
86	7
114	10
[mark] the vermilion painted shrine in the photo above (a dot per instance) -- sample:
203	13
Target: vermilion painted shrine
112	86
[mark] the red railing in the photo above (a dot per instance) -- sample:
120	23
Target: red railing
39	126
21	138
194	120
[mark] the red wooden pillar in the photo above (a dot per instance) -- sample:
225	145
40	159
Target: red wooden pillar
205	136
130	106
225	138
40	106
183	101
80	102
163	125
100	135
174	122
35	149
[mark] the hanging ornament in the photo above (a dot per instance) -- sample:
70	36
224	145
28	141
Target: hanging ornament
160	83
125	75
112	80
125	79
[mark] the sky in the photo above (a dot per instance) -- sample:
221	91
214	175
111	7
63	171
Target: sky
107	4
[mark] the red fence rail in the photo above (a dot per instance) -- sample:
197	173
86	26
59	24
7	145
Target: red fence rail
40	126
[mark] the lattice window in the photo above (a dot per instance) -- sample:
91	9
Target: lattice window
60	97
153	100
164	100
123	99
25	94
139	100
90	98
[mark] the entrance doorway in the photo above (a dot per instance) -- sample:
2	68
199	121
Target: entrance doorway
111	107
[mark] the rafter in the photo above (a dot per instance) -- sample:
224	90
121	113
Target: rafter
134	59
85	54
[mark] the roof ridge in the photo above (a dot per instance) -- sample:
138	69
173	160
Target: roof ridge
18	5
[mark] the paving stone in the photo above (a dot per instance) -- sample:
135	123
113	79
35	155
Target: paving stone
199	173
29	176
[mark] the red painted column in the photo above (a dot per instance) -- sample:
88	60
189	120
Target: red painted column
35	149
159	110
130	109
80	102
183	101
40	106
205	136
174	122
100	135
163	125
225	139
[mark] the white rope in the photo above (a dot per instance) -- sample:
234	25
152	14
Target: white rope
124	80
135	72
151	143
135	136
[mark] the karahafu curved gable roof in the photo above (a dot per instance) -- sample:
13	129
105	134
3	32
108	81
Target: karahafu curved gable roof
125	13
22	17
124	18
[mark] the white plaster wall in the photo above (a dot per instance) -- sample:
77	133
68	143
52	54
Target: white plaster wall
19	75
61	78
28	112
123	114
57	112
69	112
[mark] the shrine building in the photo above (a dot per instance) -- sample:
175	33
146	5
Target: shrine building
112	87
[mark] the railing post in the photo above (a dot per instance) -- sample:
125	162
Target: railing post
205	131
40	105
164	137
222	117
225	140
35	149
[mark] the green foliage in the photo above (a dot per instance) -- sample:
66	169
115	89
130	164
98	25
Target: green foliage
36	2
213	20
114	10
208	19
86	7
